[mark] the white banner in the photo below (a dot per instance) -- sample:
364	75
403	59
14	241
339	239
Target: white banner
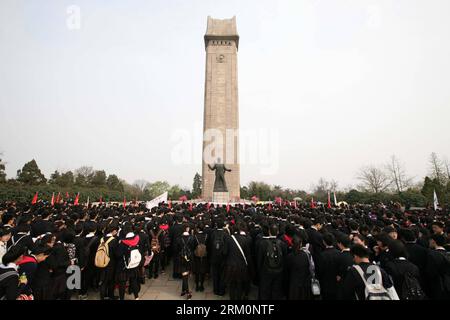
157	200
435	201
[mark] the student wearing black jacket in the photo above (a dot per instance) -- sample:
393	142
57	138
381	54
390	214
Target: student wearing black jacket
129	241
271	254
144	248
327	268
184	248
29	264
298	273
59	262
345	259
219	250
107	274
353	287
417	254
238	263
154	247
400	267
438	268
88	248
201	265
21	235
42	225
315	238
42	280
175	232
11	285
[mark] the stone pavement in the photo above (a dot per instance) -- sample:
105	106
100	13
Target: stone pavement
167	288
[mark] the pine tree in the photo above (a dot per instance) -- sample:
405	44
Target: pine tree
31	174
2	172
197	186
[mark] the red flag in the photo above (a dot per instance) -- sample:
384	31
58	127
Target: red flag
67	195
270	206
278	200
35	198
53	199
208	205
183	198
124	202
312	203
170	204
329	201
77	199
228	207
101	200
58	197
190	206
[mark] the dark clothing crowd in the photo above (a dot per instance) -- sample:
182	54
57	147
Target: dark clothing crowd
268	252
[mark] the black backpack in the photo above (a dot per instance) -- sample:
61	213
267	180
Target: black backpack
411	289
218	246
274	257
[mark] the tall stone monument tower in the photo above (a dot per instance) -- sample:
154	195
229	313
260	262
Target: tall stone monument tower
221	114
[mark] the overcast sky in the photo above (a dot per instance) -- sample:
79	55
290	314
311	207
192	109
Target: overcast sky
343	83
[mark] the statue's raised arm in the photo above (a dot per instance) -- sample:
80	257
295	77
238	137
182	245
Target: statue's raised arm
211	168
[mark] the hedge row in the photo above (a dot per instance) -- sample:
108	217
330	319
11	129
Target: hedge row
25	194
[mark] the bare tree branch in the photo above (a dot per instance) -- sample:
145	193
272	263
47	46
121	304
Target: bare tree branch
397	174
373	179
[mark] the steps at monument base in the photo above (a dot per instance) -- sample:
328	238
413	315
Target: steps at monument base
221	197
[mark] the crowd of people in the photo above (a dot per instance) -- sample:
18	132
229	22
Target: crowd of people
356	252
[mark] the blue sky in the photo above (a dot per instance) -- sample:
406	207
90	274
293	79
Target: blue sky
345	83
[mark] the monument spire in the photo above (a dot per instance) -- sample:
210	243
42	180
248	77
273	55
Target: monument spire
221	112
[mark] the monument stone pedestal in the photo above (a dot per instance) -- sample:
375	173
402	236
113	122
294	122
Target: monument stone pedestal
221	197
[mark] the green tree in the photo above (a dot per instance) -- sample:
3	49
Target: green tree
54	177
66	179
2	172
412	198
31	174
175	192
260	189
157	188
244	192
83	176
197	186
98	179
354	196
114	183
429	186
428	189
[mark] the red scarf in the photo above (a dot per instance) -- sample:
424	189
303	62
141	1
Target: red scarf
288	240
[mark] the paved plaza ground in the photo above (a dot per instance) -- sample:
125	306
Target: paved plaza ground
167	288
